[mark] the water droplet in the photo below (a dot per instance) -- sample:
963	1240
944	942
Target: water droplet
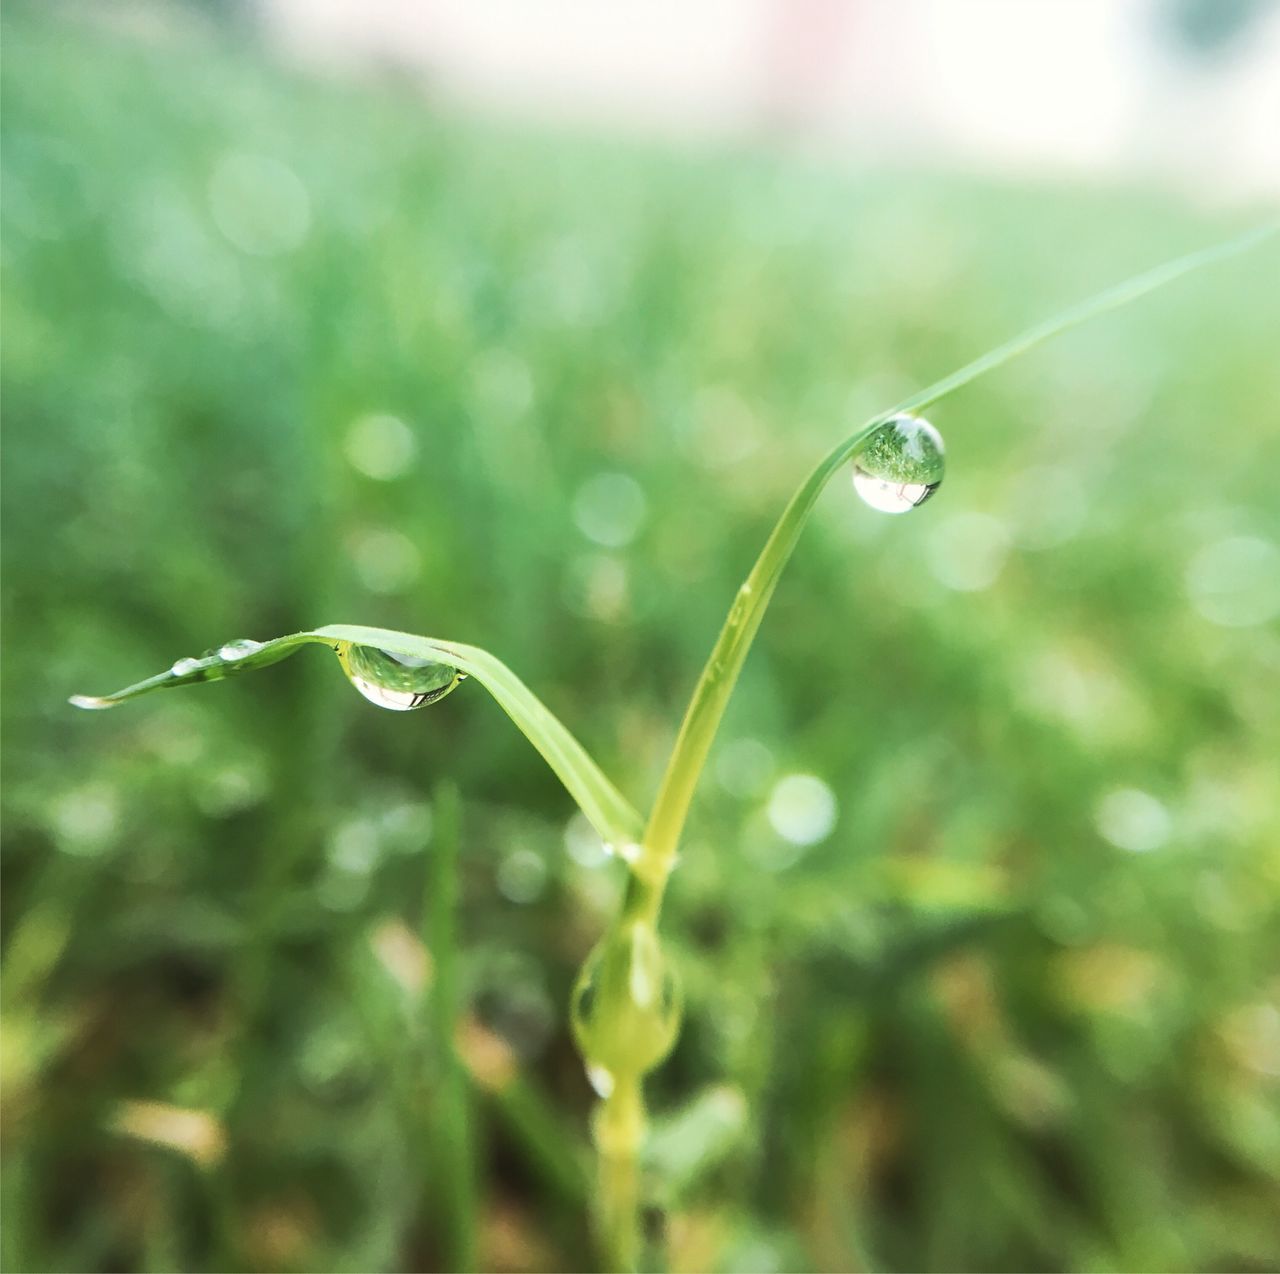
601	1081
185	667
395	681
233	651
900	466
626	1004
738	611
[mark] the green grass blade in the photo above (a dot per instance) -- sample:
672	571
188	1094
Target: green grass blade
607	809
720	674
1112	298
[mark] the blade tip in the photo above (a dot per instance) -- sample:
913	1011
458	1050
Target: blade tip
92	702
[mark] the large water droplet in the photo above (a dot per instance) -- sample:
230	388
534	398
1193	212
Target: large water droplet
395	681
900	466
626	1005
241	648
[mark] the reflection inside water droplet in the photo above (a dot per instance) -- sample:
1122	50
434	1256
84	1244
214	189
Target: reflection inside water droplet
601	1080
900	466
395	681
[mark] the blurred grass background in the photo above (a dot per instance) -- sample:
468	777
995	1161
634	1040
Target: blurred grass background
998	991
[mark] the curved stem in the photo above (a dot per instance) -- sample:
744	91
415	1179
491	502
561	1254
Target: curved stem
620	1119
702	718
719	676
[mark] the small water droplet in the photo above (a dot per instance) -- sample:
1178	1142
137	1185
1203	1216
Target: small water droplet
601	1080
241	648
900	466
395	681
185	667
738	611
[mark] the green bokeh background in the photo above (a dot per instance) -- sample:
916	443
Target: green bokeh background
963	1030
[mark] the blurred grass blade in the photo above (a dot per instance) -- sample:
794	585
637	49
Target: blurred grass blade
1112	298
720	674
607	809
454	1161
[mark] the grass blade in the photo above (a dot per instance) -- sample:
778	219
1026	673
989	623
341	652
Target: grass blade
607	809
720	674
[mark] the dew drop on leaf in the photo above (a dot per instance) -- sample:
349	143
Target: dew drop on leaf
395	681
185	667
900	466
241	648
